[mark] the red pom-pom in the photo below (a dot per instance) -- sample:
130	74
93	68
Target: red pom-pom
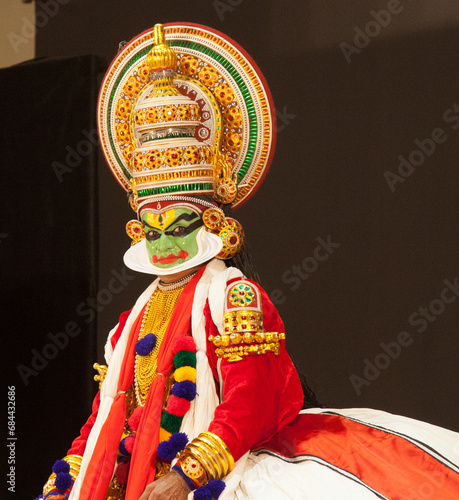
129	444
185	343
122	472
177	406
134	419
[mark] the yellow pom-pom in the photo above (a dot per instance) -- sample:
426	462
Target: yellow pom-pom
185	373
163	435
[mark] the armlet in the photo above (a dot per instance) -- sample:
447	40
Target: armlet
243	329
101	373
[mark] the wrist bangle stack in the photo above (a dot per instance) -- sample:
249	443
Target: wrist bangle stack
64	473
192	469
206	458
75	463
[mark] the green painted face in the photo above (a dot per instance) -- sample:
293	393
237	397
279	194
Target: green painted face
171	236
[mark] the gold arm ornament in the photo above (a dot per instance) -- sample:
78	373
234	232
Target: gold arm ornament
225	182
102	372
206	457
75	463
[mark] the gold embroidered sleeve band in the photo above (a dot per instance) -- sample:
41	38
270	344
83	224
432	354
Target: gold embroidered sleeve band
232	346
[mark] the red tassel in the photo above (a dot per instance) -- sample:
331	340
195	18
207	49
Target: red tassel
122	472
185	343
134	419
177	406
129	444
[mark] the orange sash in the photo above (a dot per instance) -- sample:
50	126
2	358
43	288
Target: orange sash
142	468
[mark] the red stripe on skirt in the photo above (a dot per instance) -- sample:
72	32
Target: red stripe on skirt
390	465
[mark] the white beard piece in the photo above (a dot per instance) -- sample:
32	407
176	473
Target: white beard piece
209	245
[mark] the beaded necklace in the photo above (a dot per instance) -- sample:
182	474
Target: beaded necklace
155	320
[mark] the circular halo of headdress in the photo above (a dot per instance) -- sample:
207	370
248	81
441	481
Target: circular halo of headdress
183	110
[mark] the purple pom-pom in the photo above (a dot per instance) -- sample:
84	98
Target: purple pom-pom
145	346
185	389
61	466
216	487
125	446
63	481
202	493
178	441
38	498
164	451
167	450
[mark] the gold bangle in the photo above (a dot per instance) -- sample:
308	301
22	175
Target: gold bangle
208	447
199	454
210	456
212	453
193	469
75	463
49	485
225	451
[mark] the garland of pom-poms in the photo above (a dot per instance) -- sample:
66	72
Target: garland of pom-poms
171	440
183	392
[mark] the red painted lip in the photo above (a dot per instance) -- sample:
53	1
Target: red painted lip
170	258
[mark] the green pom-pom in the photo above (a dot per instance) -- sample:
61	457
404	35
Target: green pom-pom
185	358
171	423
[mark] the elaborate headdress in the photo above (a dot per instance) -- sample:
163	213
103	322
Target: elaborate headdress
184	113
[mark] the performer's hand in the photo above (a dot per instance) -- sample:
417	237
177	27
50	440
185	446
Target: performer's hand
170	486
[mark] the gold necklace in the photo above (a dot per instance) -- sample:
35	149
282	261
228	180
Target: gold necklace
155	320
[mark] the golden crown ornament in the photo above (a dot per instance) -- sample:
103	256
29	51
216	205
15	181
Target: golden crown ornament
183	112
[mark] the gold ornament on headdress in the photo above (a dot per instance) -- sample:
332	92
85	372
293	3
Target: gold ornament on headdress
225	181
161	56
184	112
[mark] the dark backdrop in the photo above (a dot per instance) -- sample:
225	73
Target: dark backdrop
374	324
342	126
49	252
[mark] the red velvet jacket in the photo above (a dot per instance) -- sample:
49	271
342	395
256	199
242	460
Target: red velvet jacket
261	393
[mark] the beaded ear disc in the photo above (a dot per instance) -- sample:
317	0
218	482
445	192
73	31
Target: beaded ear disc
134	229
213	219
228	229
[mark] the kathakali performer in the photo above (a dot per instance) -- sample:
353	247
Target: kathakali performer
200	397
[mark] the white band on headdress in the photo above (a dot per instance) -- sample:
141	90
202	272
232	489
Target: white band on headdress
189	199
